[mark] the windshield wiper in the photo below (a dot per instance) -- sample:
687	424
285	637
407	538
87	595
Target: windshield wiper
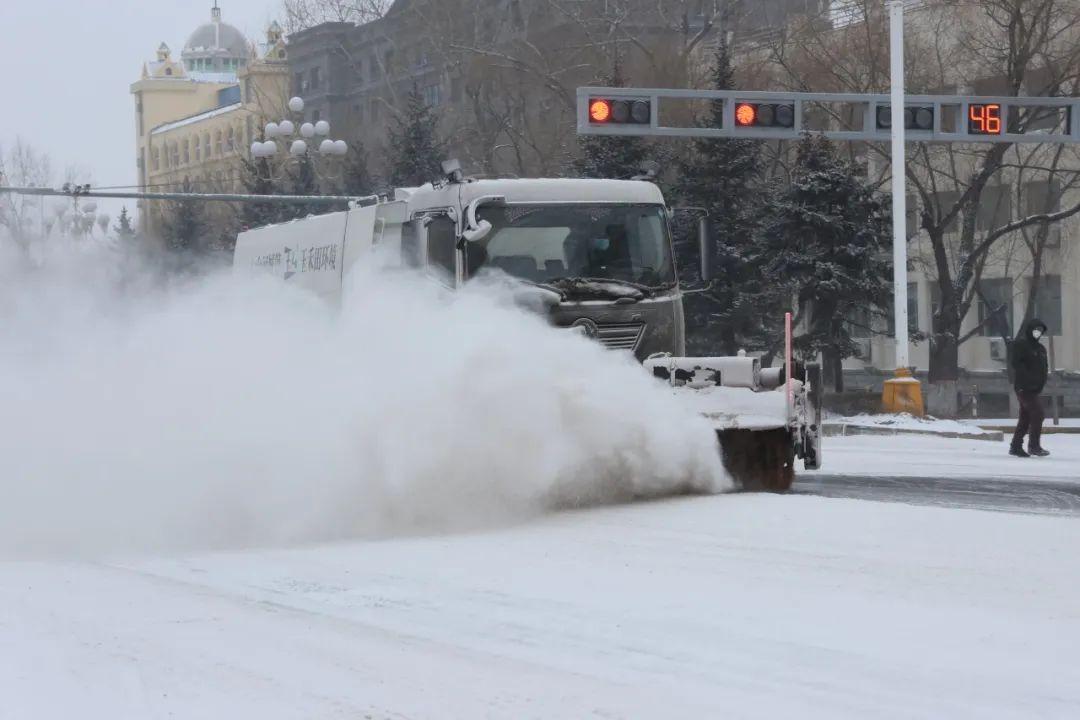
623	290
545	286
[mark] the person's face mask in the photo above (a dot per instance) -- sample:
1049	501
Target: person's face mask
1037	333
601	244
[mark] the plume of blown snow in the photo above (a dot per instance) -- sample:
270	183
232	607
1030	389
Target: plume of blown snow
226	412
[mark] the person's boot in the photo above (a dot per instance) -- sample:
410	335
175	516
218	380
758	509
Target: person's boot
1037	451
1018	451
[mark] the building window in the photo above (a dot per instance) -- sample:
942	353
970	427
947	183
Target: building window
187	152
174	155
298	83
1047	302
168	71
432	95
517	21
912	310
314	79
230	141
316	116
373	68
198	149
914	218
860	323
996	308
218	147
156	160
995	208
388	62
945	202
1042	198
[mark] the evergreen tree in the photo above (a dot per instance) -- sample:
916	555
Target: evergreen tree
302	180
828	235
257	179
124	231
185	224
724	177
356	180
416	150
610	156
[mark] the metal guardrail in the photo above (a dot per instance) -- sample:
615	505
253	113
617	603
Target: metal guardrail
89	193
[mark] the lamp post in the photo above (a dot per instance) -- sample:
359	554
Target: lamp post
902	393
308	141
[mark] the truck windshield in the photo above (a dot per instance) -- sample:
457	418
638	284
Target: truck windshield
542	243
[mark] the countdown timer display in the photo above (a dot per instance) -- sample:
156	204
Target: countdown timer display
984	119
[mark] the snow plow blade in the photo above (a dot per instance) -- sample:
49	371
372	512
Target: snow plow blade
763	422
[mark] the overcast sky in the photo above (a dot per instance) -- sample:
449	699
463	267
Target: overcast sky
68	66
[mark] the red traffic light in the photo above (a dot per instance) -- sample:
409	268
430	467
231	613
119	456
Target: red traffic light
745	115
767	115
599	111
620	111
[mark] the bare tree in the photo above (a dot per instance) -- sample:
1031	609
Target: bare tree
998	47
23	217
304	14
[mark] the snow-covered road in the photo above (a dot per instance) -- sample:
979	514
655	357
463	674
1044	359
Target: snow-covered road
947	472
730	606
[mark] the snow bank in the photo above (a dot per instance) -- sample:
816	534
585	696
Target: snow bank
227	413
906	421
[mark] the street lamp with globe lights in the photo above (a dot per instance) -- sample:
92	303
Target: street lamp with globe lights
309	141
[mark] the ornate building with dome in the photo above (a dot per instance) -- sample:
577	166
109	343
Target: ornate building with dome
195	116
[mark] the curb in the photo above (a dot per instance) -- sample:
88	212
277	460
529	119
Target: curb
843	429
1048	429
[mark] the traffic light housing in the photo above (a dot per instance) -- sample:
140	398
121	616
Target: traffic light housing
620	111
764	115
916	117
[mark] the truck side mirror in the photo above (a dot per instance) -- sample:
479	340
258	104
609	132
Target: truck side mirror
708	249
477	233
475	230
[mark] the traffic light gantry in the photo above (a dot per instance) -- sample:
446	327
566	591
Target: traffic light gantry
844	116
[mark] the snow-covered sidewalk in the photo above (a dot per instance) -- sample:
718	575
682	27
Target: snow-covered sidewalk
940	457
728	606
905	424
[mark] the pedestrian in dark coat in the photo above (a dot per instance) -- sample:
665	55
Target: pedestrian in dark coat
1030	370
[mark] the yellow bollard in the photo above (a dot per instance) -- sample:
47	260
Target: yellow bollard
903	394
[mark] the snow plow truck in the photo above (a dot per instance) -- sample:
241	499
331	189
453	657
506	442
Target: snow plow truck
599	258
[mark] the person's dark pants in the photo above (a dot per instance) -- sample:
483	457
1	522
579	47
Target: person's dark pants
1031	419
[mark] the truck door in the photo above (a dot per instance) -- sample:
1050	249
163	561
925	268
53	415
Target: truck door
429	242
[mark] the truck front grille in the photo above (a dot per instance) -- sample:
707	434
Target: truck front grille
621	336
